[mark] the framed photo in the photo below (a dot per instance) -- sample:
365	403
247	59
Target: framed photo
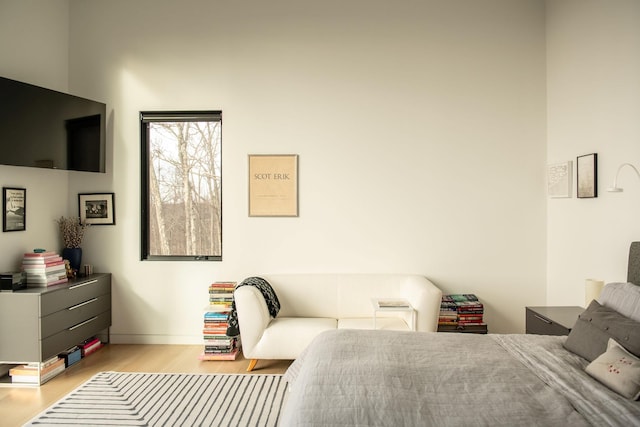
588	176
559	182
273	185
14	202
97	208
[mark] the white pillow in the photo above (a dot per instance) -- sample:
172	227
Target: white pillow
617	369
623	298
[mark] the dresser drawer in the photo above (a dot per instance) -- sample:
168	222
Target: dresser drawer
68	317
74	294
551	320
540	325
74	335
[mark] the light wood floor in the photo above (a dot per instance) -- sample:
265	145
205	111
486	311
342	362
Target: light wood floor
19	405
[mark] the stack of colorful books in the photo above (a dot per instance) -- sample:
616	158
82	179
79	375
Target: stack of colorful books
217	345
461	310
221	295
448	311
71	356
89	346
43	269
37	373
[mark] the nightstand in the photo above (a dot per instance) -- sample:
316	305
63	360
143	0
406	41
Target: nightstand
551	320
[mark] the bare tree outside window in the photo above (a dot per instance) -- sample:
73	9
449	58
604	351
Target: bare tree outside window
181	185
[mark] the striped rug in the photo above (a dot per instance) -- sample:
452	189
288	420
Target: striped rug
137	399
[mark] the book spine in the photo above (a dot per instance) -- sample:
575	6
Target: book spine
39	254
92	350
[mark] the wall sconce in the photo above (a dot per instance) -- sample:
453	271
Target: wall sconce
615	188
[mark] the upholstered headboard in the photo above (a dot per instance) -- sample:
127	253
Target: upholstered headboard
633	271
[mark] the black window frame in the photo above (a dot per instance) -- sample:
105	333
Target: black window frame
147	117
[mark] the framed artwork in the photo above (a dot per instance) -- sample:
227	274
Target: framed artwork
588	176
273	185
97	208
14	202
559	179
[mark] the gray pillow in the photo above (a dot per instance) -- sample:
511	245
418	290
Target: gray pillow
623	298
591	333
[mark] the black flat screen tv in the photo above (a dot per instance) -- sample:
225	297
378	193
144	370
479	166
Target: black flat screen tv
48	129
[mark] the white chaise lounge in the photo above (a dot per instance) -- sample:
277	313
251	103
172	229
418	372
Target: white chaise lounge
313	303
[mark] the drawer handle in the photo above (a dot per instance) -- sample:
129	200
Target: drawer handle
79	285
83	323
548	322
82	303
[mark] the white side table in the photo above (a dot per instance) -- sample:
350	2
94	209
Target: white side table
393	304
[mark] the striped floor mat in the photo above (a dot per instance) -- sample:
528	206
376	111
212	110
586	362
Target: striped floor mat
137	399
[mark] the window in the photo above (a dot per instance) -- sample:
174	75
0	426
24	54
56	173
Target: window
181	185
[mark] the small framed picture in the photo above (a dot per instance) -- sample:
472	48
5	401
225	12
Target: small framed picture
14	202
559	179
588	176
97	208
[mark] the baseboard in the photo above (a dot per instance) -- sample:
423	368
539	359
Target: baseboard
155	339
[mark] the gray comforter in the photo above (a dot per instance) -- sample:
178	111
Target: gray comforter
386	378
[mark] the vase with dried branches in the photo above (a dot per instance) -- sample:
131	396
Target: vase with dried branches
72	231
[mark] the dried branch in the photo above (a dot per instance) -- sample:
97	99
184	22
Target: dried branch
72	231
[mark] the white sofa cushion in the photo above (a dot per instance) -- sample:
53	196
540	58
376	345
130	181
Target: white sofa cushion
386	323
305	295
286	337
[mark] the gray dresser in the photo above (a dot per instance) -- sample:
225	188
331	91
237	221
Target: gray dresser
38	323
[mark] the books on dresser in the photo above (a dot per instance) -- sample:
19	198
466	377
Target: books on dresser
42	269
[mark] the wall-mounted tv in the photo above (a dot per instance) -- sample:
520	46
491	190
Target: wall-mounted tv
48	129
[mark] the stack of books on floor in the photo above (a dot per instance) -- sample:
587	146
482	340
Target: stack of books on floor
470	310
221	295
71	356
217	345
37	373
448	312
40	372
461	311
42	269
89	346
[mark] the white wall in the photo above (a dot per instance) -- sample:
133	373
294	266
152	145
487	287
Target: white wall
420	128
34	48
593	56
34	42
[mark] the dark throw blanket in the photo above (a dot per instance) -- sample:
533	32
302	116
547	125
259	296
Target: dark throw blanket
233	329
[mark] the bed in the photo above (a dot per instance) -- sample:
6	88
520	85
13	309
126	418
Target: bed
386	378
